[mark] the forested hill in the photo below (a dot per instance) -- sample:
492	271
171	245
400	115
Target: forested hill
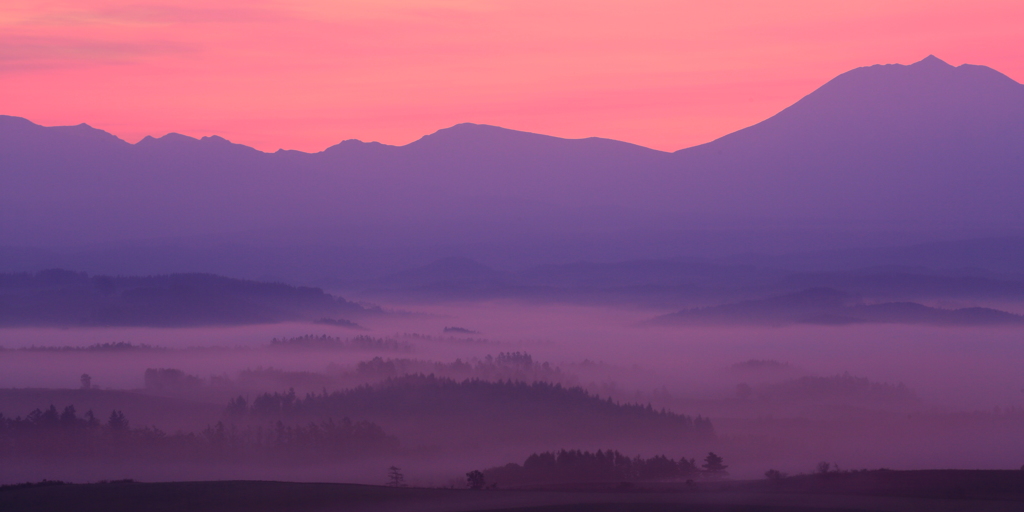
474	411
575	466
65	298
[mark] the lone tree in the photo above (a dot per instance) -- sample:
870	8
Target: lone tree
395	477
475	479
117	423
713	466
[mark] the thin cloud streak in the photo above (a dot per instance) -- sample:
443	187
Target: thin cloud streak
27	52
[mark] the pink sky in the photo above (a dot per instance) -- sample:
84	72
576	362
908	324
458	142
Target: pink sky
306	75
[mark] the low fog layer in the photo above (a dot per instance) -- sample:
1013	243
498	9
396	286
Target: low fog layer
898	396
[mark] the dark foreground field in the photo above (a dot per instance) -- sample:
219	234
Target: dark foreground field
859	491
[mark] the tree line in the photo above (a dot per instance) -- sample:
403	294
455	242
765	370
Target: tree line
471	412
575	466
325	342
64	434
435	395
515	366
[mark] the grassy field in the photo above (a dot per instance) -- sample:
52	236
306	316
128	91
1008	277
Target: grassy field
868	491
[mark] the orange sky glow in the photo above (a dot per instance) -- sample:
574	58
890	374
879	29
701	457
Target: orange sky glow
308	74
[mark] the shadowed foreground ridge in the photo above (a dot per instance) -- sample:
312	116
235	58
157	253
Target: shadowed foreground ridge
881	490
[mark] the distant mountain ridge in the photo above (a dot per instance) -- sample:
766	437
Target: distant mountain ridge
63	298
927	149
829	306
681	281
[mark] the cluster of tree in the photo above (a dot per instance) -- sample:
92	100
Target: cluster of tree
27	485
838	387
459	330
325	342
175	382
120	346
442	339
164	379
320	441
61	297
432	394
338	322
762	365
515	366
62	435
574	466
476	411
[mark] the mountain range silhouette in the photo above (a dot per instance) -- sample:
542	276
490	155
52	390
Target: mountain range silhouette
923	152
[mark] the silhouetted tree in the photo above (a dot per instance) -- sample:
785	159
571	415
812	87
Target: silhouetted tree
237	407
68	418
395	477
117	422
46	419
90	419
688	467
47	433
713	466
86	381
475	480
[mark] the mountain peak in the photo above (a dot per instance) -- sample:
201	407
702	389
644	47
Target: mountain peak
216	139
492	137
179	142
931	61
473	133
169	139
899	95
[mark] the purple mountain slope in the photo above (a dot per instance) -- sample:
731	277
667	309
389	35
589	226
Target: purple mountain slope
926	148
77	184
